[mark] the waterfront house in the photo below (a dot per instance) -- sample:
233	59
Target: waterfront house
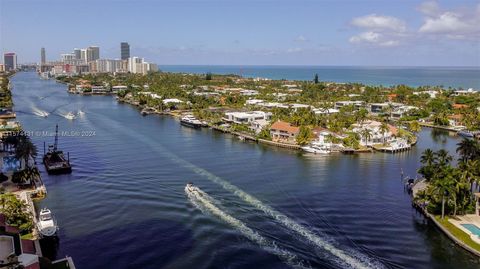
258	125
246	117
116	89
400	111
455	120
281	131
376	134
98	90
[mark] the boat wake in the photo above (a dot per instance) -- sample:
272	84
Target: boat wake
346	258
39	112
68	115
205	203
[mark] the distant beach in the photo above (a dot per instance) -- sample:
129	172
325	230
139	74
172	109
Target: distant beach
457	77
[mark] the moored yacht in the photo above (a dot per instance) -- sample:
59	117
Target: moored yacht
47	225
190	121
317	149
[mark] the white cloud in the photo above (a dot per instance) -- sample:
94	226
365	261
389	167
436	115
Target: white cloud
380	23
294	50
382	31
373	38
300	38
429	8
453	24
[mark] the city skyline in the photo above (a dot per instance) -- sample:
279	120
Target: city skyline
378	33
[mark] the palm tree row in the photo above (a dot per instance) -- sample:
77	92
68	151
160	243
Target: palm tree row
450	188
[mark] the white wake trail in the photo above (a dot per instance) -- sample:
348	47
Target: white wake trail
350	259
205	203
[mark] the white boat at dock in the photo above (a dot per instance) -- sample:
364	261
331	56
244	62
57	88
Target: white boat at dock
190	121
47	225
316	149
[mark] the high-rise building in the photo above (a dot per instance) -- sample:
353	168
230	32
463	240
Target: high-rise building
78	53
95	53
10	61
83	55
43	57
124	51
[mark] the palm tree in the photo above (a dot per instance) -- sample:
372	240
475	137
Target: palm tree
384	129
470	172
468	149
25	149
428	157
443	157
444	188
367	135
415	127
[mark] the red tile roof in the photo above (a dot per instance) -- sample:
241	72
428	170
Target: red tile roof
285	126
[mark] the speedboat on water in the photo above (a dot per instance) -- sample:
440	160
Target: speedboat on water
69	116
80	113
47	225
190	187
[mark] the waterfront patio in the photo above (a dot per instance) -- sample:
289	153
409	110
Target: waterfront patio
467	219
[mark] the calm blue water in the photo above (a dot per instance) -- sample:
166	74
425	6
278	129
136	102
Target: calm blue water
124	205
466	77
472	228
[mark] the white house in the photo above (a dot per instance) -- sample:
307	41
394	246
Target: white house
172	101
118	88
432	94
248	92
402	110
464	92
325	111
246	117
376	134
258	125
253	102
357	104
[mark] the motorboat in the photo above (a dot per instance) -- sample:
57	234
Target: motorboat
465	133
80	113
190	121
190	188
47	225
316	149
69	116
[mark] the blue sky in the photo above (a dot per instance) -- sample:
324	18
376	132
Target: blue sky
331	32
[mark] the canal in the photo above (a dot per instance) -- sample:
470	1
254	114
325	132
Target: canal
125	206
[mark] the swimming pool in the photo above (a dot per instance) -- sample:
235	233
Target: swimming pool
10	163
472	228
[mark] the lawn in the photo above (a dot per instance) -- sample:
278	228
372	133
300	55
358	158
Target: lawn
459	234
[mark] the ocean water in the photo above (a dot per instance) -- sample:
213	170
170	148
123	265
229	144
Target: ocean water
125	206
465	77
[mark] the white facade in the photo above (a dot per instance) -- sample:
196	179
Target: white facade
247	117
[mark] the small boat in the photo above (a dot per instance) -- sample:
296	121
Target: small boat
316	149
190	121
80	113
47	225
466	134
54	160
69	116
147	111
241	138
